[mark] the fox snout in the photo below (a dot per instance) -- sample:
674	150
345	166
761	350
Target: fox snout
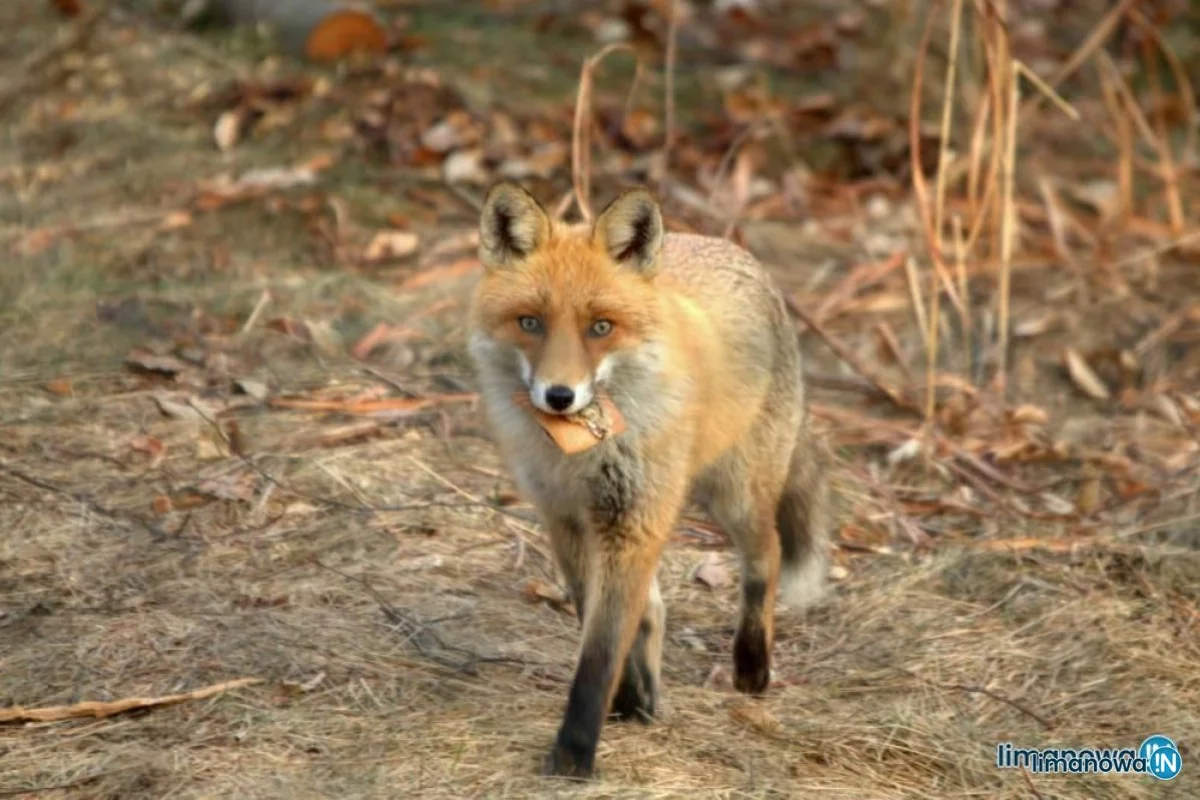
560	398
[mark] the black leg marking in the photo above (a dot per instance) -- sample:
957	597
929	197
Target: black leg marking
751	654
574	753
637	697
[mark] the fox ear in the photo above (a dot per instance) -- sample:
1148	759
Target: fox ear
512	226
631	230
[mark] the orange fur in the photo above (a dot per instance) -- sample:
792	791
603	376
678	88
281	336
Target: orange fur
696	352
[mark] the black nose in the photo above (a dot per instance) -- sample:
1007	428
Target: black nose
560	397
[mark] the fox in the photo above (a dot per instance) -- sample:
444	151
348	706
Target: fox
689	338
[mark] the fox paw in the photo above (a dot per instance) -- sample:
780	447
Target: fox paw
565	762
751	662
636	698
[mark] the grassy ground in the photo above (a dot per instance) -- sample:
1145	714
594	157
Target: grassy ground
171	521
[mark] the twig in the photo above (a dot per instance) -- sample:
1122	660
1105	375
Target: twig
83	499
100	710
416	629
852	360
581	166
1029	783
669	99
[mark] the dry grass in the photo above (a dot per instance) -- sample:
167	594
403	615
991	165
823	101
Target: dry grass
357	568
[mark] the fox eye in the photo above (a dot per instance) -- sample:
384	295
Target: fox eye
530	324
600	328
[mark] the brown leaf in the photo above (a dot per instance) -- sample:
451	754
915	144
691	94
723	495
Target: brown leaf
537	590
162	505
228	129
1084	376
60	386
427	277
233	486
152	447
389	245
68	8
140	360
712	573
758	718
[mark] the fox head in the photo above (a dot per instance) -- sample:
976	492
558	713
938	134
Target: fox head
562	306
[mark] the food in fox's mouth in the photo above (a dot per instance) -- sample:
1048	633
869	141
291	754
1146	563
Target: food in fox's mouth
583	430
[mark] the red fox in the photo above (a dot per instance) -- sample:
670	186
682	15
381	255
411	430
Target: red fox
689	338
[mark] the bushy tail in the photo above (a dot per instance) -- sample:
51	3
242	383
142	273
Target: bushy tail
803	519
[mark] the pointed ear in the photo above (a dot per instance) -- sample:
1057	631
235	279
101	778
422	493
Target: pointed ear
631	230
512	226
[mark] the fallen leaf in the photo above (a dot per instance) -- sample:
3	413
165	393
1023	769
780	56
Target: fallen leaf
1084	377
228	129
302	687
537	590
464	166
758	718
451	271
162	505
140	360
61	387
712	573
388	245
175	220
233	486
150	446
256	389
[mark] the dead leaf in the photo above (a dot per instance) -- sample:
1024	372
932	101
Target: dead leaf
228	129
389	245
537	590
1084	377
758	718
162	505
235	486
98	710
175	220
152	447
256	389
465	166
140	360
451	271
60	386
302	687
712	573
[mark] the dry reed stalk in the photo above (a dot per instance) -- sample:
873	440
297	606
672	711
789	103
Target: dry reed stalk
581	157
1008	219
669	88
1167	171
1090	45
1187	94
931	336
1124	138
960	264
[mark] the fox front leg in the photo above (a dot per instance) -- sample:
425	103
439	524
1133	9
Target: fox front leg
631	520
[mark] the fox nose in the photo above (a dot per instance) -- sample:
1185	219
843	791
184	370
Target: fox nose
560	397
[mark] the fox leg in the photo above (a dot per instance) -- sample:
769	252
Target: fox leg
570	552
637	693
631	517
743	496
617	595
